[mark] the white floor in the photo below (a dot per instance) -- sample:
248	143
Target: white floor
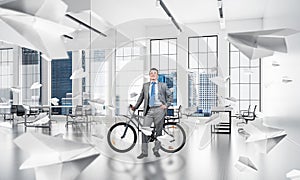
205	156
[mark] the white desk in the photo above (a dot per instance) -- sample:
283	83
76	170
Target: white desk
222	127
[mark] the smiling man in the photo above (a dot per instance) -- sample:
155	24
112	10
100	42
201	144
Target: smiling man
157	98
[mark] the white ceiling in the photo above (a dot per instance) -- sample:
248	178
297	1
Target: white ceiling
117	12
141	13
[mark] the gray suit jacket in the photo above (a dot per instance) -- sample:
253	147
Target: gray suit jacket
164	95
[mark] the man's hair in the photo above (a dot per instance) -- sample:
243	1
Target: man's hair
153	69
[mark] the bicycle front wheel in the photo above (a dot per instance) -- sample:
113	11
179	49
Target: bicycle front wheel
173	137
121	137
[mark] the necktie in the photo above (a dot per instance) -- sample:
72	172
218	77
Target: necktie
152	95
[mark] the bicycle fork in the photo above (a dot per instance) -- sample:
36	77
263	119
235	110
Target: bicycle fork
173	139
124	131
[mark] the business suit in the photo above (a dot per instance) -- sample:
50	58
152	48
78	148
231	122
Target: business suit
154	114
164	95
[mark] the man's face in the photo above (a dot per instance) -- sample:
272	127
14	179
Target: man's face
153	75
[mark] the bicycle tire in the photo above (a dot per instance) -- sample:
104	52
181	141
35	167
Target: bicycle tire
132	137
180	135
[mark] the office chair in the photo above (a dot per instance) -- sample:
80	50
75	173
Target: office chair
13	109
77	114
173	114
244	112
247	116
250	116
21	111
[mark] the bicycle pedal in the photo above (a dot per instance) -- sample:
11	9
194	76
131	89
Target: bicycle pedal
151	139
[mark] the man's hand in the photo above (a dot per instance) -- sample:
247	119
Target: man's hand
163	106
132	107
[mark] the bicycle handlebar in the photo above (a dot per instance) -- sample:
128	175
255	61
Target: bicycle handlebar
132	114
130	108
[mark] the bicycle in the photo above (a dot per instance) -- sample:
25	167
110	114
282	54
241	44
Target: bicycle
122	136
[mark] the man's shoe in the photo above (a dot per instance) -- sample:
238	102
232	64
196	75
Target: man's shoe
141	156
156	153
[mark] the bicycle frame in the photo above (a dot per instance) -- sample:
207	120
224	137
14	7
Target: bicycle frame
137	118
133	126
130	120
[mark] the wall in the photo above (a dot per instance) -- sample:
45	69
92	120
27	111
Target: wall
136	30
282	99
201	29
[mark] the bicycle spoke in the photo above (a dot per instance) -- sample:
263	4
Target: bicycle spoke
121	137
173	138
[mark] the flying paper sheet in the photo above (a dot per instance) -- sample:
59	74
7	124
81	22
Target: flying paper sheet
293	174
16	89
35	85
232	99
245	163
165	137
189	111
146	130
206	137
78	74
220	81
54	101
213	119
132	95
275	64
41	119
32	26
286	79
111	107
264	137
258	44
55	158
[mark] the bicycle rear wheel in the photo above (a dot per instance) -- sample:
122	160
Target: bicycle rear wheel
121	137
173	137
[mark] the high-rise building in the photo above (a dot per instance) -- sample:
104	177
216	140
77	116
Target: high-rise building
61	83
192	90
207	92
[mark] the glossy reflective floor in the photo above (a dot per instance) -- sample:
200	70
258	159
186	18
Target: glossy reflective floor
205	156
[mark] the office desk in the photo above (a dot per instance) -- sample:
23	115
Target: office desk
79	115
36	110
222	127
5	110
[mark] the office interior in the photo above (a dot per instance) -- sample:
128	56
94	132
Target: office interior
96	55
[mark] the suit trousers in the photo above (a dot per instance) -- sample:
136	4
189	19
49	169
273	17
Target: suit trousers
156	115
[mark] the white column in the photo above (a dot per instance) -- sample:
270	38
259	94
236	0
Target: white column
46	81
182	74
111	88
17	74
76	83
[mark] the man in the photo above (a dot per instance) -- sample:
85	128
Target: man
157	98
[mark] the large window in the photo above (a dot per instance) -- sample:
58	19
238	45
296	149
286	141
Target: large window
6	73
94	86
164	58
203	65
61	84
245	79
98	73
129	74
31	79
